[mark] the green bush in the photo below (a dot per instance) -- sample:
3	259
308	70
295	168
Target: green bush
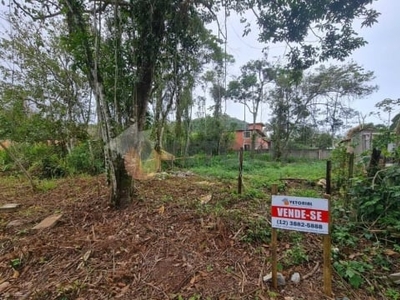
6	162
86	158
42	160
353	271
339	157
50	161
377	200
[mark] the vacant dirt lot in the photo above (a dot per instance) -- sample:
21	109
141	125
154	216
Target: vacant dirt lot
165	245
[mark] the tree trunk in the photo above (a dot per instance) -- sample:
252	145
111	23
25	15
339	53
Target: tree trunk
122	189
118	178
120	181
253	136
277	147
158	145
187	140
373	166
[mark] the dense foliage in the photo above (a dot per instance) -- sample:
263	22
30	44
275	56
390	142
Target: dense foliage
48	161
135	56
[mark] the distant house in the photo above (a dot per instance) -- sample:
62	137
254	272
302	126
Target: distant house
243	138
360	139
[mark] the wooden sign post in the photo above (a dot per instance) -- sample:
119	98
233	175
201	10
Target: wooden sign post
327	237
306	215
240	177
274	247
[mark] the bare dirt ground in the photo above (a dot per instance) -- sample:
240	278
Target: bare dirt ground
165	245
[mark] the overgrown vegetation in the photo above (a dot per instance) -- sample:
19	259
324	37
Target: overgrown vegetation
46	161
365	212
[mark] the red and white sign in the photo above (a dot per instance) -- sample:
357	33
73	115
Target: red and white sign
300	214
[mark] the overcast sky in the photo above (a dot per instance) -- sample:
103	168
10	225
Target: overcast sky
381	55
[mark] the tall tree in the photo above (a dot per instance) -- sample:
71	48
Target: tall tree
250	88
389	106
390	134
41	90
288	106
150	21
330	22
181	69
142	34
297	100
336	87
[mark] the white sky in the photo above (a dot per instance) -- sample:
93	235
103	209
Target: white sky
381	55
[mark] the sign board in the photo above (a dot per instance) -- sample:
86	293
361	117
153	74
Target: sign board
300	214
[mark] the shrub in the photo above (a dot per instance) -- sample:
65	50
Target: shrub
50	161
86	158
377	201
339	159
353	271
6	163
43	161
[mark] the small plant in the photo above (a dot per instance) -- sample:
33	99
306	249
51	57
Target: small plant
392	294
352	271
70	291
22	232
194	297
280	267
47	185
166	198
16	263
382	261
229	269
296	255
273	294
343	236
258	230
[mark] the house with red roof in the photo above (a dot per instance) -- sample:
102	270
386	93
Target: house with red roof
243	138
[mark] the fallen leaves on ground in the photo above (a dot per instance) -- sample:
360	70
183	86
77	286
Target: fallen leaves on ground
152	249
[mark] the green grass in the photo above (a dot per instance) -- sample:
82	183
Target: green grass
259	171
47	185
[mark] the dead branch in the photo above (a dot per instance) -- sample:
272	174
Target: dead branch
312	271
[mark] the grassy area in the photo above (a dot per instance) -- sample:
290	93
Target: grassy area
251	209
259	171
